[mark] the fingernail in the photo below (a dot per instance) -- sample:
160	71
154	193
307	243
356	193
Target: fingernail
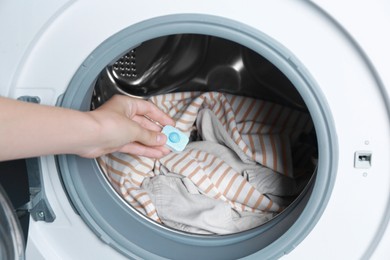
159	138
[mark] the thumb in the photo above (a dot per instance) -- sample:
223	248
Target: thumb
148	137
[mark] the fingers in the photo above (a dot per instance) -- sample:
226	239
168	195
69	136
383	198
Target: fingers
146	143
143	107
146	136
136	108
126	129
142	150
146	123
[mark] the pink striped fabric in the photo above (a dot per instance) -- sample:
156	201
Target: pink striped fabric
264	131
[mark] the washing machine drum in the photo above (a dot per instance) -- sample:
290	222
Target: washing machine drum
268	146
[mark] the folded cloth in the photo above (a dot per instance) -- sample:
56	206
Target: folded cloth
193	212
244	158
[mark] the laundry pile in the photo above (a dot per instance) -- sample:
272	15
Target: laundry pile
235	174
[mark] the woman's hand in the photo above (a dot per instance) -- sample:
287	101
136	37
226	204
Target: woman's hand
124	128
29	130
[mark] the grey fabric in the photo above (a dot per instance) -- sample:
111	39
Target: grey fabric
262	178
217	141
196	213
210	129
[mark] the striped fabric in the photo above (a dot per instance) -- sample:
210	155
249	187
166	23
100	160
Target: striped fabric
264	131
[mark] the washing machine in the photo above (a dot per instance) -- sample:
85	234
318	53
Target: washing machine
334	55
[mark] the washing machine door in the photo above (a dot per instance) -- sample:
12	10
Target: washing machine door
11	238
